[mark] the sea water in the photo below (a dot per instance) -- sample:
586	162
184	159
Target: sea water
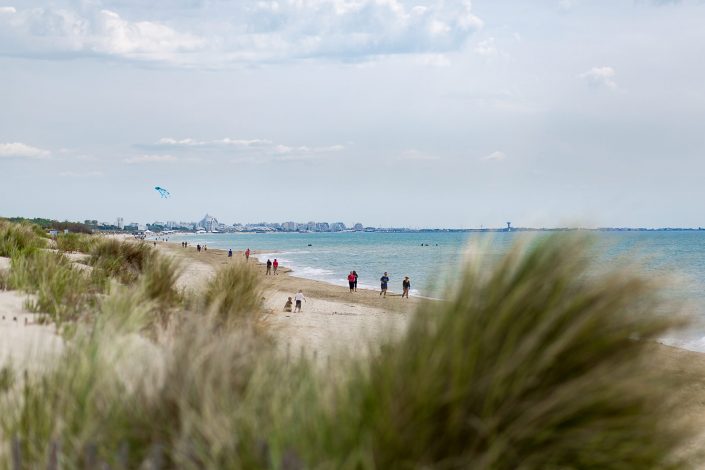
432	259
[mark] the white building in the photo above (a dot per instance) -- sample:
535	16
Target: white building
120	223
209	223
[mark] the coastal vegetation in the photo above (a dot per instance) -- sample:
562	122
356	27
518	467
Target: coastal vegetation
531	362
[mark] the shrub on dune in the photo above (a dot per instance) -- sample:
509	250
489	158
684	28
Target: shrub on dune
75	242
121	260
158	282
16	238
60	290
235	293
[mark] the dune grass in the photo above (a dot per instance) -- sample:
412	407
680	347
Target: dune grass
60	290
234	292
121	260
531	363
75	242
18	238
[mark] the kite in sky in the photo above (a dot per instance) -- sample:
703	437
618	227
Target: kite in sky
162	192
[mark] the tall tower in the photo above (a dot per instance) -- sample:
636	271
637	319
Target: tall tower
509	226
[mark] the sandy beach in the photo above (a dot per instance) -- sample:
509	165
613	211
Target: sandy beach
333	320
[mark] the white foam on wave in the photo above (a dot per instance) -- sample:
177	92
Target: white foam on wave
694	344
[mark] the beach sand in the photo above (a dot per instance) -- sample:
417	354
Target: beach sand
333	321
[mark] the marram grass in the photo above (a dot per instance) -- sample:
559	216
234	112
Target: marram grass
122	260
18	238
531	363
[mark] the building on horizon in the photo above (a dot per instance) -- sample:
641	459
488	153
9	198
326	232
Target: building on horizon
120	223
209	223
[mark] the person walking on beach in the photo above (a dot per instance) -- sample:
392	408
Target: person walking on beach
351	281
355	274
198	248
299	297
269	267
275	265
405	285
247	254
384	280
230	253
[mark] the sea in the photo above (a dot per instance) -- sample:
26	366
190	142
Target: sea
432	260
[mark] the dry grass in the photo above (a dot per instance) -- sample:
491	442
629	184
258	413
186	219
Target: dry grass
121	260
234	293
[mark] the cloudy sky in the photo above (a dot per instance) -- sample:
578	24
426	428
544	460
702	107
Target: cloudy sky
389	112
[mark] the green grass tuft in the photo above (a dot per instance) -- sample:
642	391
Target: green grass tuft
121	260
235	292
60	290
75	242
533	363
19	238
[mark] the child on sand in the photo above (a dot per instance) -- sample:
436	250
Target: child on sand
247	254
351	281
275	265
299	297
287	305
355	274
269	267
230	253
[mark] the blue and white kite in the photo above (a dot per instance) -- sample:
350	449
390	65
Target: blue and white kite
162	192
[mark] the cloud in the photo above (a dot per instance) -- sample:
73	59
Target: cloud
486	47
567	5
600	77
7	10
56	33
226	142
81	174
224	33
20	150
416	155
247	149
496	156
151	159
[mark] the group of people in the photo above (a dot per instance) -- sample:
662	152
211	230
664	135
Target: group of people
384	284
272	266
352	280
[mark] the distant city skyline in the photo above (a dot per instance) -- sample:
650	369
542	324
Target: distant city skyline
399	113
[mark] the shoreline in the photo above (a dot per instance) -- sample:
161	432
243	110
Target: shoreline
217	257
333	323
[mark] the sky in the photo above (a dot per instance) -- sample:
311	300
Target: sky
418	113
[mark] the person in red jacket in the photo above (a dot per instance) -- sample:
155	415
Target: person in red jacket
351	281
275	265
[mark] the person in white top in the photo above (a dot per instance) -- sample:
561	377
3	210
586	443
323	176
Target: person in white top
299	297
